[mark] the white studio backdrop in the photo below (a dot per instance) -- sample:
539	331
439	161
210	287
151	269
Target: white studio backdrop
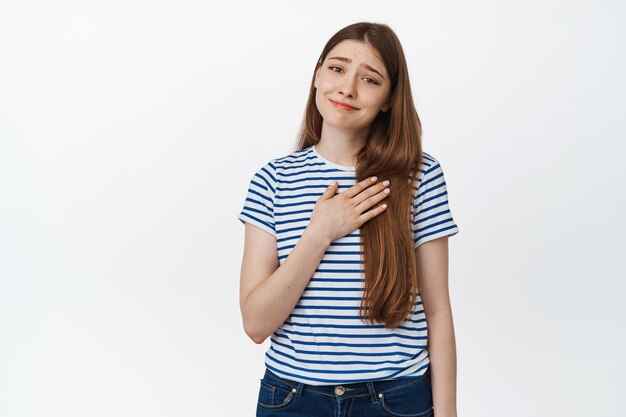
129	131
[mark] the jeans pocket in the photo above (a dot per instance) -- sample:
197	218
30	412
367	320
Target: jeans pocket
274	395
411	400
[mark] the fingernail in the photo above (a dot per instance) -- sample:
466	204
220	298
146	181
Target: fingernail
374	179
386	183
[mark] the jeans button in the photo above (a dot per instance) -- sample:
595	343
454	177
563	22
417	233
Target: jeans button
340	390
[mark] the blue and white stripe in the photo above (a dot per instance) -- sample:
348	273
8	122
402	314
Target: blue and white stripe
323	341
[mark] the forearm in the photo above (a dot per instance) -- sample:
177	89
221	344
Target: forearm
271	302
442	353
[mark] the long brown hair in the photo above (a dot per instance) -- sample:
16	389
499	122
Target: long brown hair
393	150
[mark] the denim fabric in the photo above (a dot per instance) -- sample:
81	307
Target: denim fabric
404	397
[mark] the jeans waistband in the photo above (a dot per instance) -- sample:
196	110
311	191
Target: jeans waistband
350	390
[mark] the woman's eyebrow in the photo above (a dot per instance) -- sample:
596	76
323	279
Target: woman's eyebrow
348	60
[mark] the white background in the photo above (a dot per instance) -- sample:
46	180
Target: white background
129	131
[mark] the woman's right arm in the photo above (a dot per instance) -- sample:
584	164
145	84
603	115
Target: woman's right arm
270	291
267	301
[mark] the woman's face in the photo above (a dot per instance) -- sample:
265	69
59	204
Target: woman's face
352	74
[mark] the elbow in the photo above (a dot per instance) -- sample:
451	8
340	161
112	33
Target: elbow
258	340
253	332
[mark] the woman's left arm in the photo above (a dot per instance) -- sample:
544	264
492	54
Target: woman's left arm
432	263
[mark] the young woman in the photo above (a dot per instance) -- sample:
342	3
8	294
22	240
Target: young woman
345	263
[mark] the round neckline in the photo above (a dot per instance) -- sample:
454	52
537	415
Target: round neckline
330	163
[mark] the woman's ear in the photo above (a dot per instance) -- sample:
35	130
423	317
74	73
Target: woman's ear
387	105
317	76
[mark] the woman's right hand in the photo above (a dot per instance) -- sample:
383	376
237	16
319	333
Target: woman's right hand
336	216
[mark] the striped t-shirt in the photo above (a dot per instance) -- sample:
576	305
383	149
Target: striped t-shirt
323	341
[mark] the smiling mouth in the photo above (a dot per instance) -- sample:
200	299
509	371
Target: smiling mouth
342	106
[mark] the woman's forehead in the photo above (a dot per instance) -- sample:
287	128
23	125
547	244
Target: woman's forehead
356	51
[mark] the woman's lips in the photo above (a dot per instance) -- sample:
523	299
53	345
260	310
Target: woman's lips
342	106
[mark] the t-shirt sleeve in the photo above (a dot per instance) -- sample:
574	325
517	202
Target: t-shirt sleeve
432	217
258	207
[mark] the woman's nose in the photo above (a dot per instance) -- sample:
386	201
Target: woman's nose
348	88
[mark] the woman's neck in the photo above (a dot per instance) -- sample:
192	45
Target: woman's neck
340	146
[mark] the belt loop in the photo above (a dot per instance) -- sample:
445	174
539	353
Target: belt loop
299	388
372	390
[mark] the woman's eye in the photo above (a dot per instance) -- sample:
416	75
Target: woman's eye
368	79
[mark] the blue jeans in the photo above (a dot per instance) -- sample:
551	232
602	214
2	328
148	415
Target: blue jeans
404	397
